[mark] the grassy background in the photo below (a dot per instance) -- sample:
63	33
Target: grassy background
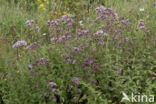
122	67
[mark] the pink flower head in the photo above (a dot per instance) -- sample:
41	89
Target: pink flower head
76	80
19	43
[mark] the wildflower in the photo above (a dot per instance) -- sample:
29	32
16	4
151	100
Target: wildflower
141	9
17	71
44	9
83	32
59	39
65	13
142	23
53	23
59	14
51	84
32	72
66	55
44	34
30	66
67	19
96	66
75	49
68	60
52	39
101	8
74	61
94	49
154	3
142	27
41	5
105	34
29	22
55	90
45	0
90	61
84	65
37	27
76	80
80	22
126	39
125	22
19	43
101	43
32	45
104	13
5	79
98	33
69	88
42	61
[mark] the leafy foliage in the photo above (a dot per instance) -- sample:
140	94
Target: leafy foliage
76	52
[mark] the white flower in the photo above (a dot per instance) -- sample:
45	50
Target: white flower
142	9
80	22
44	34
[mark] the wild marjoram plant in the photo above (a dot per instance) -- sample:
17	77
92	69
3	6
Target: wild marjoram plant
104	59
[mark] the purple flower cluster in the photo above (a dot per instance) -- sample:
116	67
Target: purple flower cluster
64	17
67	19
68	58
125	22
83	32
32	45
91	62
142	26
101	43
75	49
29	22
30	66
51	84
61	38
76	80
41	61
69	88
53	23
98	33
19	43
68	24
55	90
127	39
113	24
105	13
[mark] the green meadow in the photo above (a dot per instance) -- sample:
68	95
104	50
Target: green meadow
77	51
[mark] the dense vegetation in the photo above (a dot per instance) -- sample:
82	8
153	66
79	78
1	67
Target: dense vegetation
76	52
